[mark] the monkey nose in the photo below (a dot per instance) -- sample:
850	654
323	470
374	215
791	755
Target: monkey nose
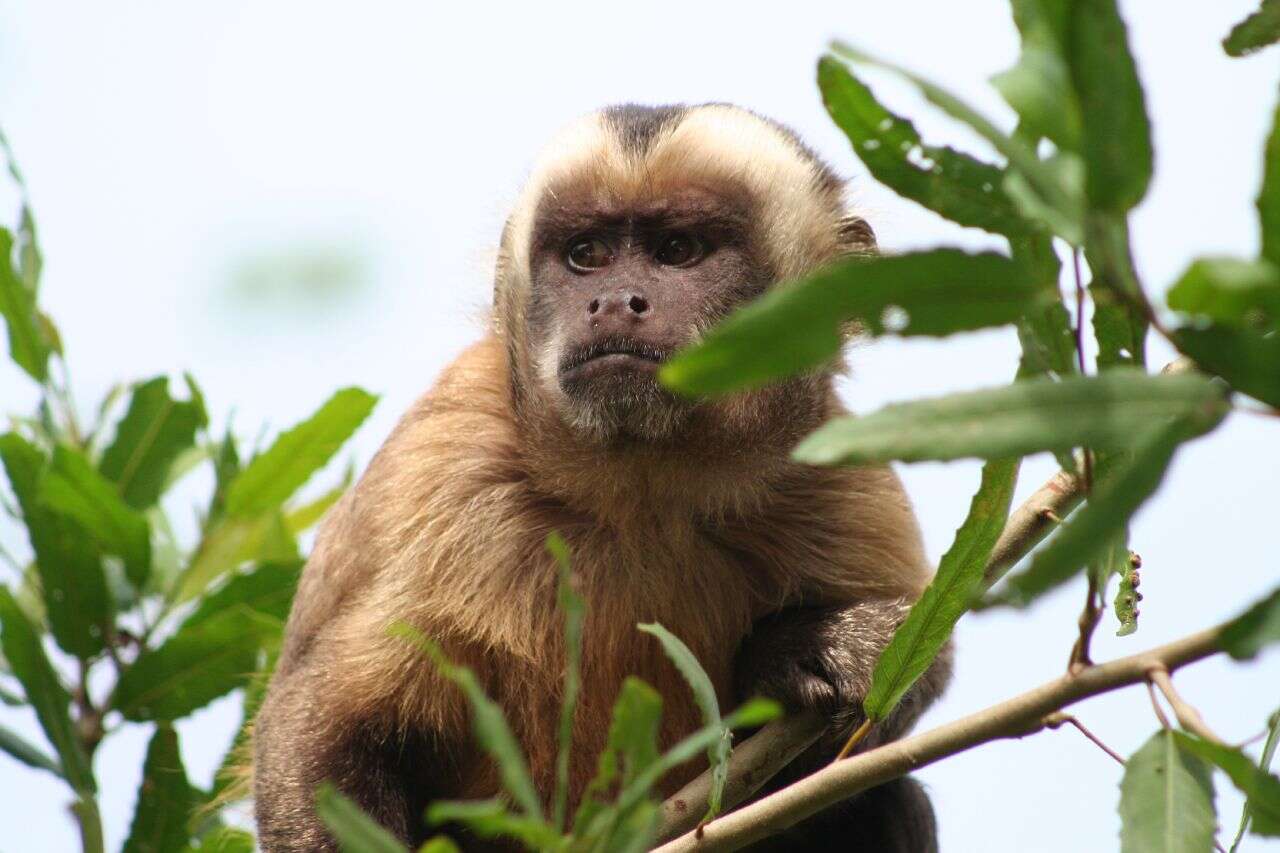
618	306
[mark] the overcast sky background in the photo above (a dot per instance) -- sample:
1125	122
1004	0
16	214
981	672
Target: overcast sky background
286	197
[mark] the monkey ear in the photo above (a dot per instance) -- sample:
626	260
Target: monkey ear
856	236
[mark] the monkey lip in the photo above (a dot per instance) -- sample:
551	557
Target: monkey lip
610	356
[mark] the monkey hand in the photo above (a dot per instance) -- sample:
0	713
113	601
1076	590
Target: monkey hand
820	659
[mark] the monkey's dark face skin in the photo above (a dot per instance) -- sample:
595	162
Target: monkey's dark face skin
617	290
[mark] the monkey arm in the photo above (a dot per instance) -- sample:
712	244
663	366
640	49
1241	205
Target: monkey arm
301	742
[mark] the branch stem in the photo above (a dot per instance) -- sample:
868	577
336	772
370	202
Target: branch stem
1188	717
1022	715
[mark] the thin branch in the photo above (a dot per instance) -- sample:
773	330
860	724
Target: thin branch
1031	522
1155	706
755	762
1188	717
1058	719
1016	717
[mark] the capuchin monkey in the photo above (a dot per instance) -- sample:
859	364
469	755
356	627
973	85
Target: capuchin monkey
638	230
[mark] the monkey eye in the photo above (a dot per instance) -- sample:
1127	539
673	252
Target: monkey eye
588	253
680	250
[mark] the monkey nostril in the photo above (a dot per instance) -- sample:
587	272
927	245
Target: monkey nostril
594	306
638	304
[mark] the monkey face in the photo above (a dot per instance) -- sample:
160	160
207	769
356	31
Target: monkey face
617	288
641	227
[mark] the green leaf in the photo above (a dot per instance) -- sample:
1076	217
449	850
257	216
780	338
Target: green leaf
154	432
1250	362
1093	529
1256	31
28	345
1119	321
1110	410
488	725
948	182
1116	138
1166	800
354	830
1054	195
803	325
30	260
26	752
45	693
1230	291
1045	332
269	480
1261	787
305	517
1039	86
267	589
439	844
755	712
229	544
165	799
1268	202
631	748
490	819
75	596
193	667
704	694
1264	764
1244	636
574	610
226	467
73	488
929	624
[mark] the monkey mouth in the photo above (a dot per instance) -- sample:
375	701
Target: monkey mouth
610	355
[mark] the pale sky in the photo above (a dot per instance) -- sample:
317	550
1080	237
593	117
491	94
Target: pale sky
169	145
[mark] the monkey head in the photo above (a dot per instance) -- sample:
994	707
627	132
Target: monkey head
640	228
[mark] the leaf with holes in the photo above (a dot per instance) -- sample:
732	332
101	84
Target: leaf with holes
948	182
1057	201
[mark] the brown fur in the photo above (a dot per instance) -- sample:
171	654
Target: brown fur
707	533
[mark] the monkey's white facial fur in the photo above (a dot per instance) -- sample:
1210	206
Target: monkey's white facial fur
642	227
